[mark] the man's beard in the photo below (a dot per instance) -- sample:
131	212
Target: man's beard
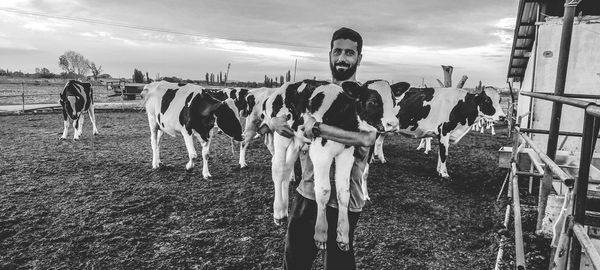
342	75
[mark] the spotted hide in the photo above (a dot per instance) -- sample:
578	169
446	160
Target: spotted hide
350	107
75	99
190	111
255	99
446	114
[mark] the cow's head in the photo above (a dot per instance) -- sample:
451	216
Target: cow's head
376	103
240	100
398	90
228	119
70	105
250	103
488	104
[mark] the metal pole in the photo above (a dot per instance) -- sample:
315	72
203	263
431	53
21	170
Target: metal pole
561	75
581	186
519	250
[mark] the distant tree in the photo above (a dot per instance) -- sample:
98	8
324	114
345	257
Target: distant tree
96	70
207	78
220	77
288	76
138	76
72	61
281	79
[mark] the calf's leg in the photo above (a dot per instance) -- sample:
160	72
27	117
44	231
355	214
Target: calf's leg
205	151
65	126
321	159
279	176
343	167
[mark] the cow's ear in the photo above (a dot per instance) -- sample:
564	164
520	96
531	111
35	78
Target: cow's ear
353	89
399	88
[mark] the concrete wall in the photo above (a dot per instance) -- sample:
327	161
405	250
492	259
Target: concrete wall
582	77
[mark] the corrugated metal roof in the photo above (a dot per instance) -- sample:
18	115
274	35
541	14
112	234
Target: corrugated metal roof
525	28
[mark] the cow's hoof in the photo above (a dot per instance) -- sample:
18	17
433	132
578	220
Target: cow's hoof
343	246
280	221
426	152
446	177
382	160
321	245
62	138
243	165
76	139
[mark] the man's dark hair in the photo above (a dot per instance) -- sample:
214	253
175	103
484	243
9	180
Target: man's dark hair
347	33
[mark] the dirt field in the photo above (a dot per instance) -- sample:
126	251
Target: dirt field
65	206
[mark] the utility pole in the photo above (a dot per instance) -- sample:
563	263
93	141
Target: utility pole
295	64
227	73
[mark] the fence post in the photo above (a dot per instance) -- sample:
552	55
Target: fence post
581	185
23	95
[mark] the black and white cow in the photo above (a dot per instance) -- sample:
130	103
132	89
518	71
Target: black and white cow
77	98
187	109
255	100
350	107
444	113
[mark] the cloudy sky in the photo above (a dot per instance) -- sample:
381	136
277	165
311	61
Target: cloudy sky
403	40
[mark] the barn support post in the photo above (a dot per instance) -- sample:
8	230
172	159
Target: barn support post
447	75
561	75
581	186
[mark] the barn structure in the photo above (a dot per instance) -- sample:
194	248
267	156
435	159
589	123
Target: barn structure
555	61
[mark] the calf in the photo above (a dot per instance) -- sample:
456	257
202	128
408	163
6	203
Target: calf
75	99
351	107
446	114
187	109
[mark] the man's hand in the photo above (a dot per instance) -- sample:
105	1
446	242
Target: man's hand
279	125
309	123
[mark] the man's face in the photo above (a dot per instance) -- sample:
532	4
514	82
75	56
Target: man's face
344	59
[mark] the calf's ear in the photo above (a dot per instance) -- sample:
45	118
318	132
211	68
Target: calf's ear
399	88
352	89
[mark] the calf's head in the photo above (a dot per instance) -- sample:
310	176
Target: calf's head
72	105
375	103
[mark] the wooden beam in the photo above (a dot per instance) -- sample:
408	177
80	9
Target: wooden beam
520	57
523	48
447	75
462	81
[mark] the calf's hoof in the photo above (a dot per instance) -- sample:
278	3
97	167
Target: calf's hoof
343	246
321	245
243	165
445	176
280	221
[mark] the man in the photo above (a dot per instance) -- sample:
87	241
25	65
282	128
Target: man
300	250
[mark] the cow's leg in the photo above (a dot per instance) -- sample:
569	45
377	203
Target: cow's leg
492	128
189	145
321	159
76	129
269	142
205	151
421	144
443	156
278	174
93	118
154	142
364	183
65	125
428	145
343	167
248	135
379	148
290	160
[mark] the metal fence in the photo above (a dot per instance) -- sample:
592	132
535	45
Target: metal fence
572	238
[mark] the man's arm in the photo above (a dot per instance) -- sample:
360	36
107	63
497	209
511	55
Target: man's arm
360	138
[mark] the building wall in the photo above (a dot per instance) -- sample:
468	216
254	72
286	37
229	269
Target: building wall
582	77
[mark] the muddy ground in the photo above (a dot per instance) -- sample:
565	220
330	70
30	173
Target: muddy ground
97	204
